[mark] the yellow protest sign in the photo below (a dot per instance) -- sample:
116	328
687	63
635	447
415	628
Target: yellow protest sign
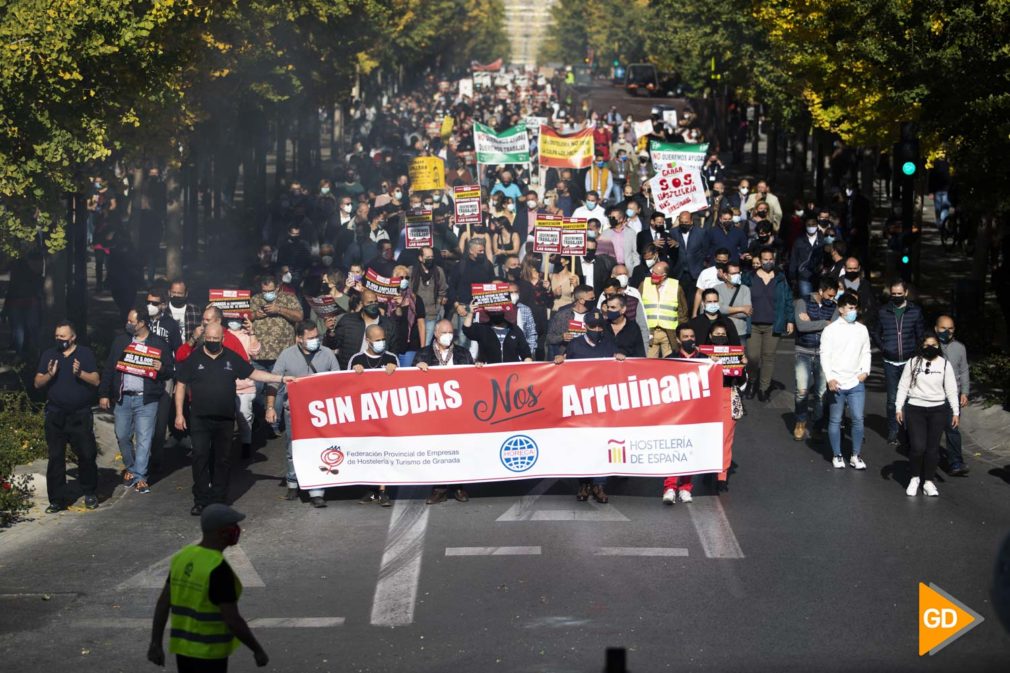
426	174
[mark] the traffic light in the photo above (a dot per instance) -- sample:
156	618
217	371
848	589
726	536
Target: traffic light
617	62
906	152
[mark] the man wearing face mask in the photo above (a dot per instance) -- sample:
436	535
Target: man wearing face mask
597	342
845	361
682	485
274	315
349	336
294	253
524	317
474	268
187	316
897	334
710	277
806	259
136	397
429	284
499	339
526	216
854	280
209	376
564	202
308	356
772	316
69	375
711	306
813	314
374	356
954	352
688	255
600	180
591	207
763	193
557	329
201	597
725	235
621	238
384	262
738	199
629	339
665	307
659	235
592	268
632	211
443	352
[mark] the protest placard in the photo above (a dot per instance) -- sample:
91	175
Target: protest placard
680	154
576	327
678	188
386	288
466	88
491	297
670	118
234	304
511	146
448	123
467	198
139	359
730	358
323	306
574	233
426	174
419	233
461	424
547	234
574	150
643	128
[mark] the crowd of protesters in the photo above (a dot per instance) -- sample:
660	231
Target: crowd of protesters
745	271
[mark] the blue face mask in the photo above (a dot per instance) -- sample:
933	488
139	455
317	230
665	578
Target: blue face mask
590	204
269	297
629	212
828	240
850	316
601	164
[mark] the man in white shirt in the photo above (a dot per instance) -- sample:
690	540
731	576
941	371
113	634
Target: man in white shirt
710	277
845	358
591	207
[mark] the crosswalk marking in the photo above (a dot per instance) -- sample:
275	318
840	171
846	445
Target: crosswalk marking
640	551
257	623
525	509
400	571
492	551
153	577
717	537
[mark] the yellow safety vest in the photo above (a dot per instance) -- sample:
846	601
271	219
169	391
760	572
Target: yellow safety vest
661	303
598	179
197	628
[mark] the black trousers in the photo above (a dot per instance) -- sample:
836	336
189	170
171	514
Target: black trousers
925	426
165	407
689	285
211	458
77	428
193	665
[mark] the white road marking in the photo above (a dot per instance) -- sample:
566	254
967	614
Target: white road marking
640	551
492	551
400	571
153	577
295	622
258	623
717	537
524	509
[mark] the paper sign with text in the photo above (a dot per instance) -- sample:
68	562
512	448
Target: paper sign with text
426	174
678	188
574	233
492	297
547	234
139	359
386	288
730	358
234	304
467	198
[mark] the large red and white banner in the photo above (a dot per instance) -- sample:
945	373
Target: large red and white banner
450	425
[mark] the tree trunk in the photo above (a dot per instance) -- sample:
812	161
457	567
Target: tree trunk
280	156
772	157
173	225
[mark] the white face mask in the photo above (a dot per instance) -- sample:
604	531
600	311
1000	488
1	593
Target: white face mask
379	346
650	262
622	278
397	195
445	340
286	278
811	231
436	198
511	207
346	208
744	190
514	296
234	325
735	279
324	190
312	345
152	311
531	204
712	307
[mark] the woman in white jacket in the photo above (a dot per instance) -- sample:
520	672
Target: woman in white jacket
928	385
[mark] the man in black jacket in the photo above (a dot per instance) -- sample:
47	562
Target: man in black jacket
349	336
474	268
896	335
499	339
443	352
134	377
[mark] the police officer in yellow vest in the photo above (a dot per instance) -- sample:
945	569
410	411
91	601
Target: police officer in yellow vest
665	307
202	594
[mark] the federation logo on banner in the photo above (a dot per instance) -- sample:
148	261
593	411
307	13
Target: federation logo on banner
519	453
330	459
617	452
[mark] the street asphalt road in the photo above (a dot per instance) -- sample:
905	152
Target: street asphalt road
798	567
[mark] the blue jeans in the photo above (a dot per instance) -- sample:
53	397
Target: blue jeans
809	382
805	288
135	420
429	331
856	399
407	359
892	376
291	477
260	400
941	206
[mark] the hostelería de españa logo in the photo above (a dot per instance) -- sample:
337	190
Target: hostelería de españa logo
942	619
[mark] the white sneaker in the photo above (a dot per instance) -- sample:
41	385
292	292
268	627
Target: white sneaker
838	462
685	496
857	463
669	496
929	488
913	487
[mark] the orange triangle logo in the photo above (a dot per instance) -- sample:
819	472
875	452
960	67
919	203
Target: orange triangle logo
942	619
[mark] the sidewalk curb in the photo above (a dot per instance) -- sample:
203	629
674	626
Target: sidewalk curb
989	429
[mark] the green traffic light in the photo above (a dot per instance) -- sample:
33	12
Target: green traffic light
904	259
908	168
616	63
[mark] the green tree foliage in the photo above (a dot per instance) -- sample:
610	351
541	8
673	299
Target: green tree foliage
613	29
